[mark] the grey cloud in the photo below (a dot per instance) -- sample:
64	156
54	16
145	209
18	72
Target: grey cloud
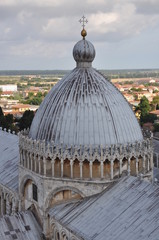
34	28
147	7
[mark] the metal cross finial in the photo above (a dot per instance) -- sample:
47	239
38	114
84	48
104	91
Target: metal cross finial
83	20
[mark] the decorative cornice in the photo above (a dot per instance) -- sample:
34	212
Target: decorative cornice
81	153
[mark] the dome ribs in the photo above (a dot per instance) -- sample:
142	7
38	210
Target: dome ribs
84	108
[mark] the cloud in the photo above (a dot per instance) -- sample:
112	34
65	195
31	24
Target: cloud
147	6
37	27
40	49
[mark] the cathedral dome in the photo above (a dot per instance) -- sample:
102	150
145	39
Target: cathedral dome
85	109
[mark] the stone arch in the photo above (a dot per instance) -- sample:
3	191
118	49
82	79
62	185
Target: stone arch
27	196
63	235
57	167
50	197
86	169
53	227
96	169
133	165
116	167
140	163
106	169
66	168
23	182
48	166
124	166
146	162
76	168
15	204
57	234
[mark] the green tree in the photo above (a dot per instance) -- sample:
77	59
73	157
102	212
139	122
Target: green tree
26	120
135	97
136	89
7	121
0	92
34	101
144	108
156	127
1	112
45	93
155	101
150	118
30	94
39	94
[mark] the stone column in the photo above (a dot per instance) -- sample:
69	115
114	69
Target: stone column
31	161
20	207
71	165
2	204
10	208
111	170
35	163
14	207
157	160
148	164
52	164
61	167
39	161
137	168
144	170
120	167
101	165
151	161
46	226
21	157
81	169
44	162
26	157
90	169
128	166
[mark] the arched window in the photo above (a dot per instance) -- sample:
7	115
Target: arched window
35	192
57	236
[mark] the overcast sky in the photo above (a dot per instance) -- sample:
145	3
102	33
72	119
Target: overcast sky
40	34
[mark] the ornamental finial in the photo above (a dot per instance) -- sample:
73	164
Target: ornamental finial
83	20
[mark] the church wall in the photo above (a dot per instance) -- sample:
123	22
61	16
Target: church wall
48	187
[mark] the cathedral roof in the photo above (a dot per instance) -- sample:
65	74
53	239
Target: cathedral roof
9	159
21	225
84	108
127	210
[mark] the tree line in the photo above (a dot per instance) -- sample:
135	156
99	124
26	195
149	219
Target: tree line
8	122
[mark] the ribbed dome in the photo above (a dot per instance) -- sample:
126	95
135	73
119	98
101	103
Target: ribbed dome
84	108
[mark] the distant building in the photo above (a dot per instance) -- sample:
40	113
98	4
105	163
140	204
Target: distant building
15	108
8	87
156	112
152	81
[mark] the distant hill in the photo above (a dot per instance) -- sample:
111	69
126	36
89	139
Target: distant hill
122	73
